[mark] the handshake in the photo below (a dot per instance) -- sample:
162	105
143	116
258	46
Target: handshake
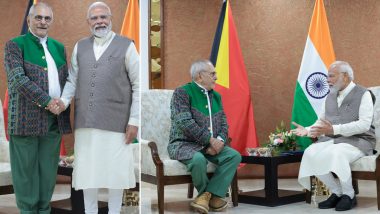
55	106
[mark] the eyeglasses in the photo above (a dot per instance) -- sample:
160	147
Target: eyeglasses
39	18
102	17
211	74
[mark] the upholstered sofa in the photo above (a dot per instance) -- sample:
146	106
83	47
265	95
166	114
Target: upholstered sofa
367	163
155	126
156	166
5	167
368	167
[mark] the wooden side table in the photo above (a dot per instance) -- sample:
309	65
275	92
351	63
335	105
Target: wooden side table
271	195
74	204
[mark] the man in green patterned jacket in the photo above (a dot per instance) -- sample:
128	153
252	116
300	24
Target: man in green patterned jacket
36	72
198	134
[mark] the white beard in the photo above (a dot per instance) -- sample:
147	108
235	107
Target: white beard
100	33
337	86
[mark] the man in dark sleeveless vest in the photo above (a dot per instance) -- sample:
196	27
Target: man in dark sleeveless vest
104	77
345	134
36	71
198	133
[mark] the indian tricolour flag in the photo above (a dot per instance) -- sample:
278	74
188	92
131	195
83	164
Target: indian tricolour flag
312	88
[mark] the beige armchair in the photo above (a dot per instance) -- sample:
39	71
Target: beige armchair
5	166
368	167
156	166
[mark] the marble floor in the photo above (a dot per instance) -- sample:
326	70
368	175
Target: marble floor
176	200
62	191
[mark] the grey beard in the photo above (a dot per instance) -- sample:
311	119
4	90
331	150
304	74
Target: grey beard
103	32
337	86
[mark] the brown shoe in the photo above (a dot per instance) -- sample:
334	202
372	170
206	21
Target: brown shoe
200	203
217	204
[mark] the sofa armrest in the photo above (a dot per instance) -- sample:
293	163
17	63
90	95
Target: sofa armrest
150	159
4	151
155	156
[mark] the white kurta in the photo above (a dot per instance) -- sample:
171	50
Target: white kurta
102	159
325	157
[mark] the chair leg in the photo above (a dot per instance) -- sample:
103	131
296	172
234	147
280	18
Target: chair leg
378	192
6	190
234	190
355	186
308	193
308	197
190	190
160	194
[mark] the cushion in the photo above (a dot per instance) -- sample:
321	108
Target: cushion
4	151
376	114
174	167
4	146
5	174
171	167
155	120
147	165
366	163
155	126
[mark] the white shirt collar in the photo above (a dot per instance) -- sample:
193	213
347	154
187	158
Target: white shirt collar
347	90
204	90
42	40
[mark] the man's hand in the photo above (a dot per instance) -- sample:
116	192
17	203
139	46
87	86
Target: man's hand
130	133
55	106
323	127
216	144
300	130
211	151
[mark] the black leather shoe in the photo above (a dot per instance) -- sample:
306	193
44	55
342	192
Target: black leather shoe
330	202
346	203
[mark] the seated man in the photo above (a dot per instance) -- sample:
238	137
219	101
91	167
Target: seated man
344	134
198	134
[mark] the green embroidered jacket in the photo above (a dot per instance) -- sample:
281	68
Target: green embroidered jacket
27	76
190	121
